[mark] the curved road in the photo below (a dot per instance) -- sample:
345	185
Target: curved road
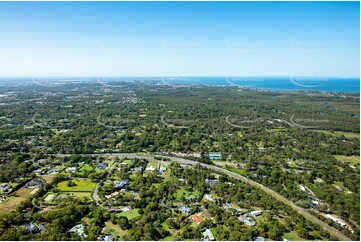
300	210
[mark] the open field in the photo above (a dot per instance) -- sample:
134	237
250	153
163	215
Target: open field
339	133
352	160
82	185
86	167
12	202
292	236
113	229
132	214
48	178
347	107
238	171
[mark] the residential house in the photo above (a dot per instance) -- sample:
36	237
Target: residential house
248	221
121	183
255	213
208	197
126	209
53	171
136	169
71	169
185	209
114	194
34	184
314	202
102	165
212	182
4	187
196	219
149	169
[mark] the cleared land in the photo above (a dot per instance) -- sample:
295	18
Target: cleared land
292	236
352	160
339	133
81	185
12	202
113	229
132	214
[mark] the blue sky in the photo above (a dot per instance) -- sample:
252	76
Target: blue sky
179	39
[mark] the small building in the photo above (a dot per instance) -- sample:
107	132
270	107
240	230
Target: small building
114	194
126	209
302	188
227	206
106	238
196	219
149	169
162	170
136	169
215	155
256	213
190	197
248	221
53	171
209	197
34	228
121	183
71	169
185	209
314	202
34	184
79	229
208	235
4	187
102	165
212	182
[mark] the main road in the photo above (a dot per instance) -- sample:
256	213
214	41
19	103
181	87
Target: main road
300	210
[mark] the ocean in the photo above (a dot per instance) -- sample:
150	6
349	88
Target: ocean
275	83
323	84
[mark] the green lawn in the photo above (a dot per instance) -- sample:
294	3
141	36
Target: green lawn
353	160
87	167
82	185
238	171
182	192
292	236
114	230
132	214
339	133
